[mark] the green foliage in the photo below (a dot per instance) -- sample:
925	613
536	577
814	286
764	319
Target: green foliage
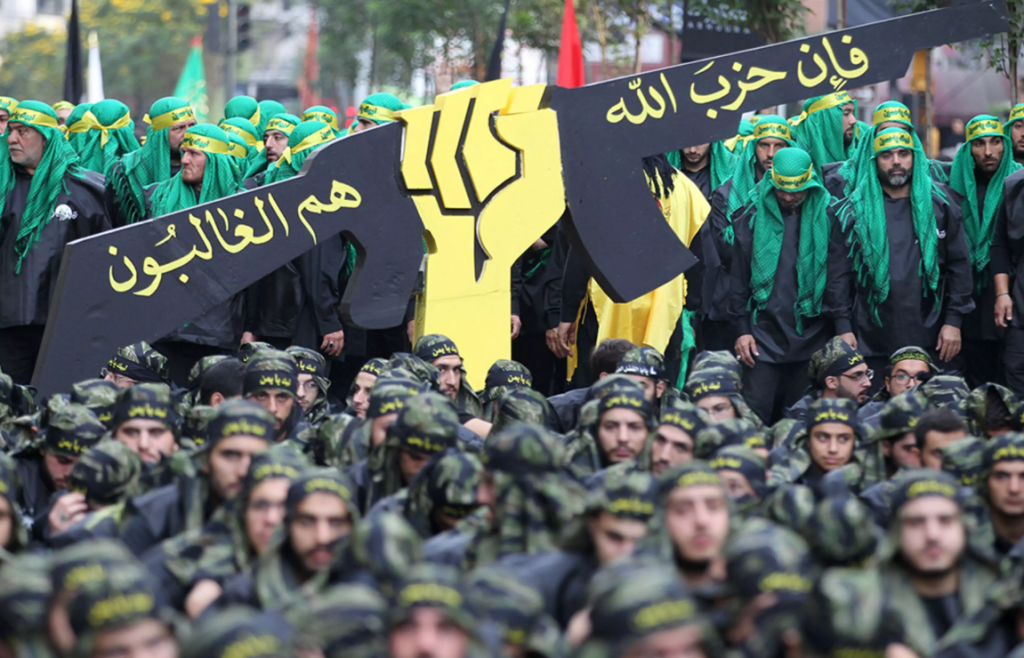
33	64
775	22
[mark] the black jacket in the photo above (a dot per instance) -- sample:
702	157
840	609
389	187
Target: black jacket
561	577
80	212
1007	254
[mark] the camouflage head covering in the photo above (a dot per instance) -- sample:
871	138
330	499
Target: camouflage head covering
123	599
832	360
945	391
1007	447
911	484
792	506
90	562
536	500
384	546
73	430
413	367
248	350
751	466
313	363
434	346
99	395
197	423
107	474
147	402
992	407
643	362
582	447
271	370
835	410
900	415
239	632
10	490
524	405
722	359
432	586
711	381
688	474
731	432
627	398
784	432
344	621
140	362
621	491
25	593
374	367
632	607
517	610
239	418
448	484
963	460
686	416
842	532
504	377
912	353
201	367
390	395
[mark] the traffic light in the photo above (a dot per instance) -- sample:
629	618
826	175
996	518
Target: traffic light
244	26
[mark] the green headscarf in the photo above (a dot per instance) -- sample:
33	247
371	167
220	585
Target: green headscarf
323	114
243	107
239	152
722	161
282	122
78	124
218	178
462	84
305	138
871	252
111	136
887	112
744	176
151	163
8	105
792	171
379	108
820	128
244	129
268	110
58	160
1016	114
979	229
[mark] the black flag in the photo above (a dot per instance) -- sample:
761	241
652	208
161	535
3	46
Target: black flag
494	63
74	88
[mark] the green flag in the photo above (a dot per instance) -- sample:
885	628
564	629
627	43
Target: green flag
192	83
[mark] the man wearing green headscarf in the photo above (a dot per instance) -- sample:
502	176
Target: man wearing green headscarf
243	107
296	303
792	275
707	165
48	201
63	110
323	114
376	109
155	162
111	137
268	110
1014	130
79	123
979	168
827	128
7	107
206	175
771	134
244	129
275	143
914	278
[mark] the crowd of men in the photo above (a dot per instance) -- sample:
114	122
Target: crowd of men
809	445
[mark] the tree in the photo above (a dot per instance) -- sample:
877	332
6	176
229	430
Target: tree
1004	50
33	64
775	22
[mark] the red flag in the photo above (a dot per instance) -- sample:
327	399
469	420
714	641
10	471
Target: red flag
311	71
570	51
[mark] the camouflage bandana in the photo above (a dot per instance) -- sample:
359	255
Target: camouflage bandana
99	395
107	474
125	598
685	416
644	362
900	415
747	463
248	350
434	346
634	400
832	360
313	363
146	402
523	405
140	362
320	480
622	491
963	460
91	562
239	632
945	391
344	621
374	367
517	610
10	489
842	532
722	359
504	377
271	370
989	401
792	506
72	431
25	593
765	558
915	483
197	423
711	381
849	614
835	410
383	546
240	418
731	432
1004	448
688	474
390	395
447	484
432	586
424	426
912	353
414	368
201	367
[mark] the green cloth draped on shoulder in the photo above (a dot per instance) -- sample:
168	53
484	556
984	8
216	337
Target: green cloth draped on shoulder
869	237
980	227
78	124
792	171
219	178
744	175
819	130
247	131
111	137
151	163
305	138
58	160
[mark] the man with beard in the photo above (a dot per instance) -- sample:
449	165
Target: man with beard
837	370
826	129
771	134
645	366
1014	131
707	165
137	363
979	168
145	420
926	567
673	442
362	387
275	141
618	434
272	381
158	160
1002	486
441	352
48	201
791	273
914	278
313	385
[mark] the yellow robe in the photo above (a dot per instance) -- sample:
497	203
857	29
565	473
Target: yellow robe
650	319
